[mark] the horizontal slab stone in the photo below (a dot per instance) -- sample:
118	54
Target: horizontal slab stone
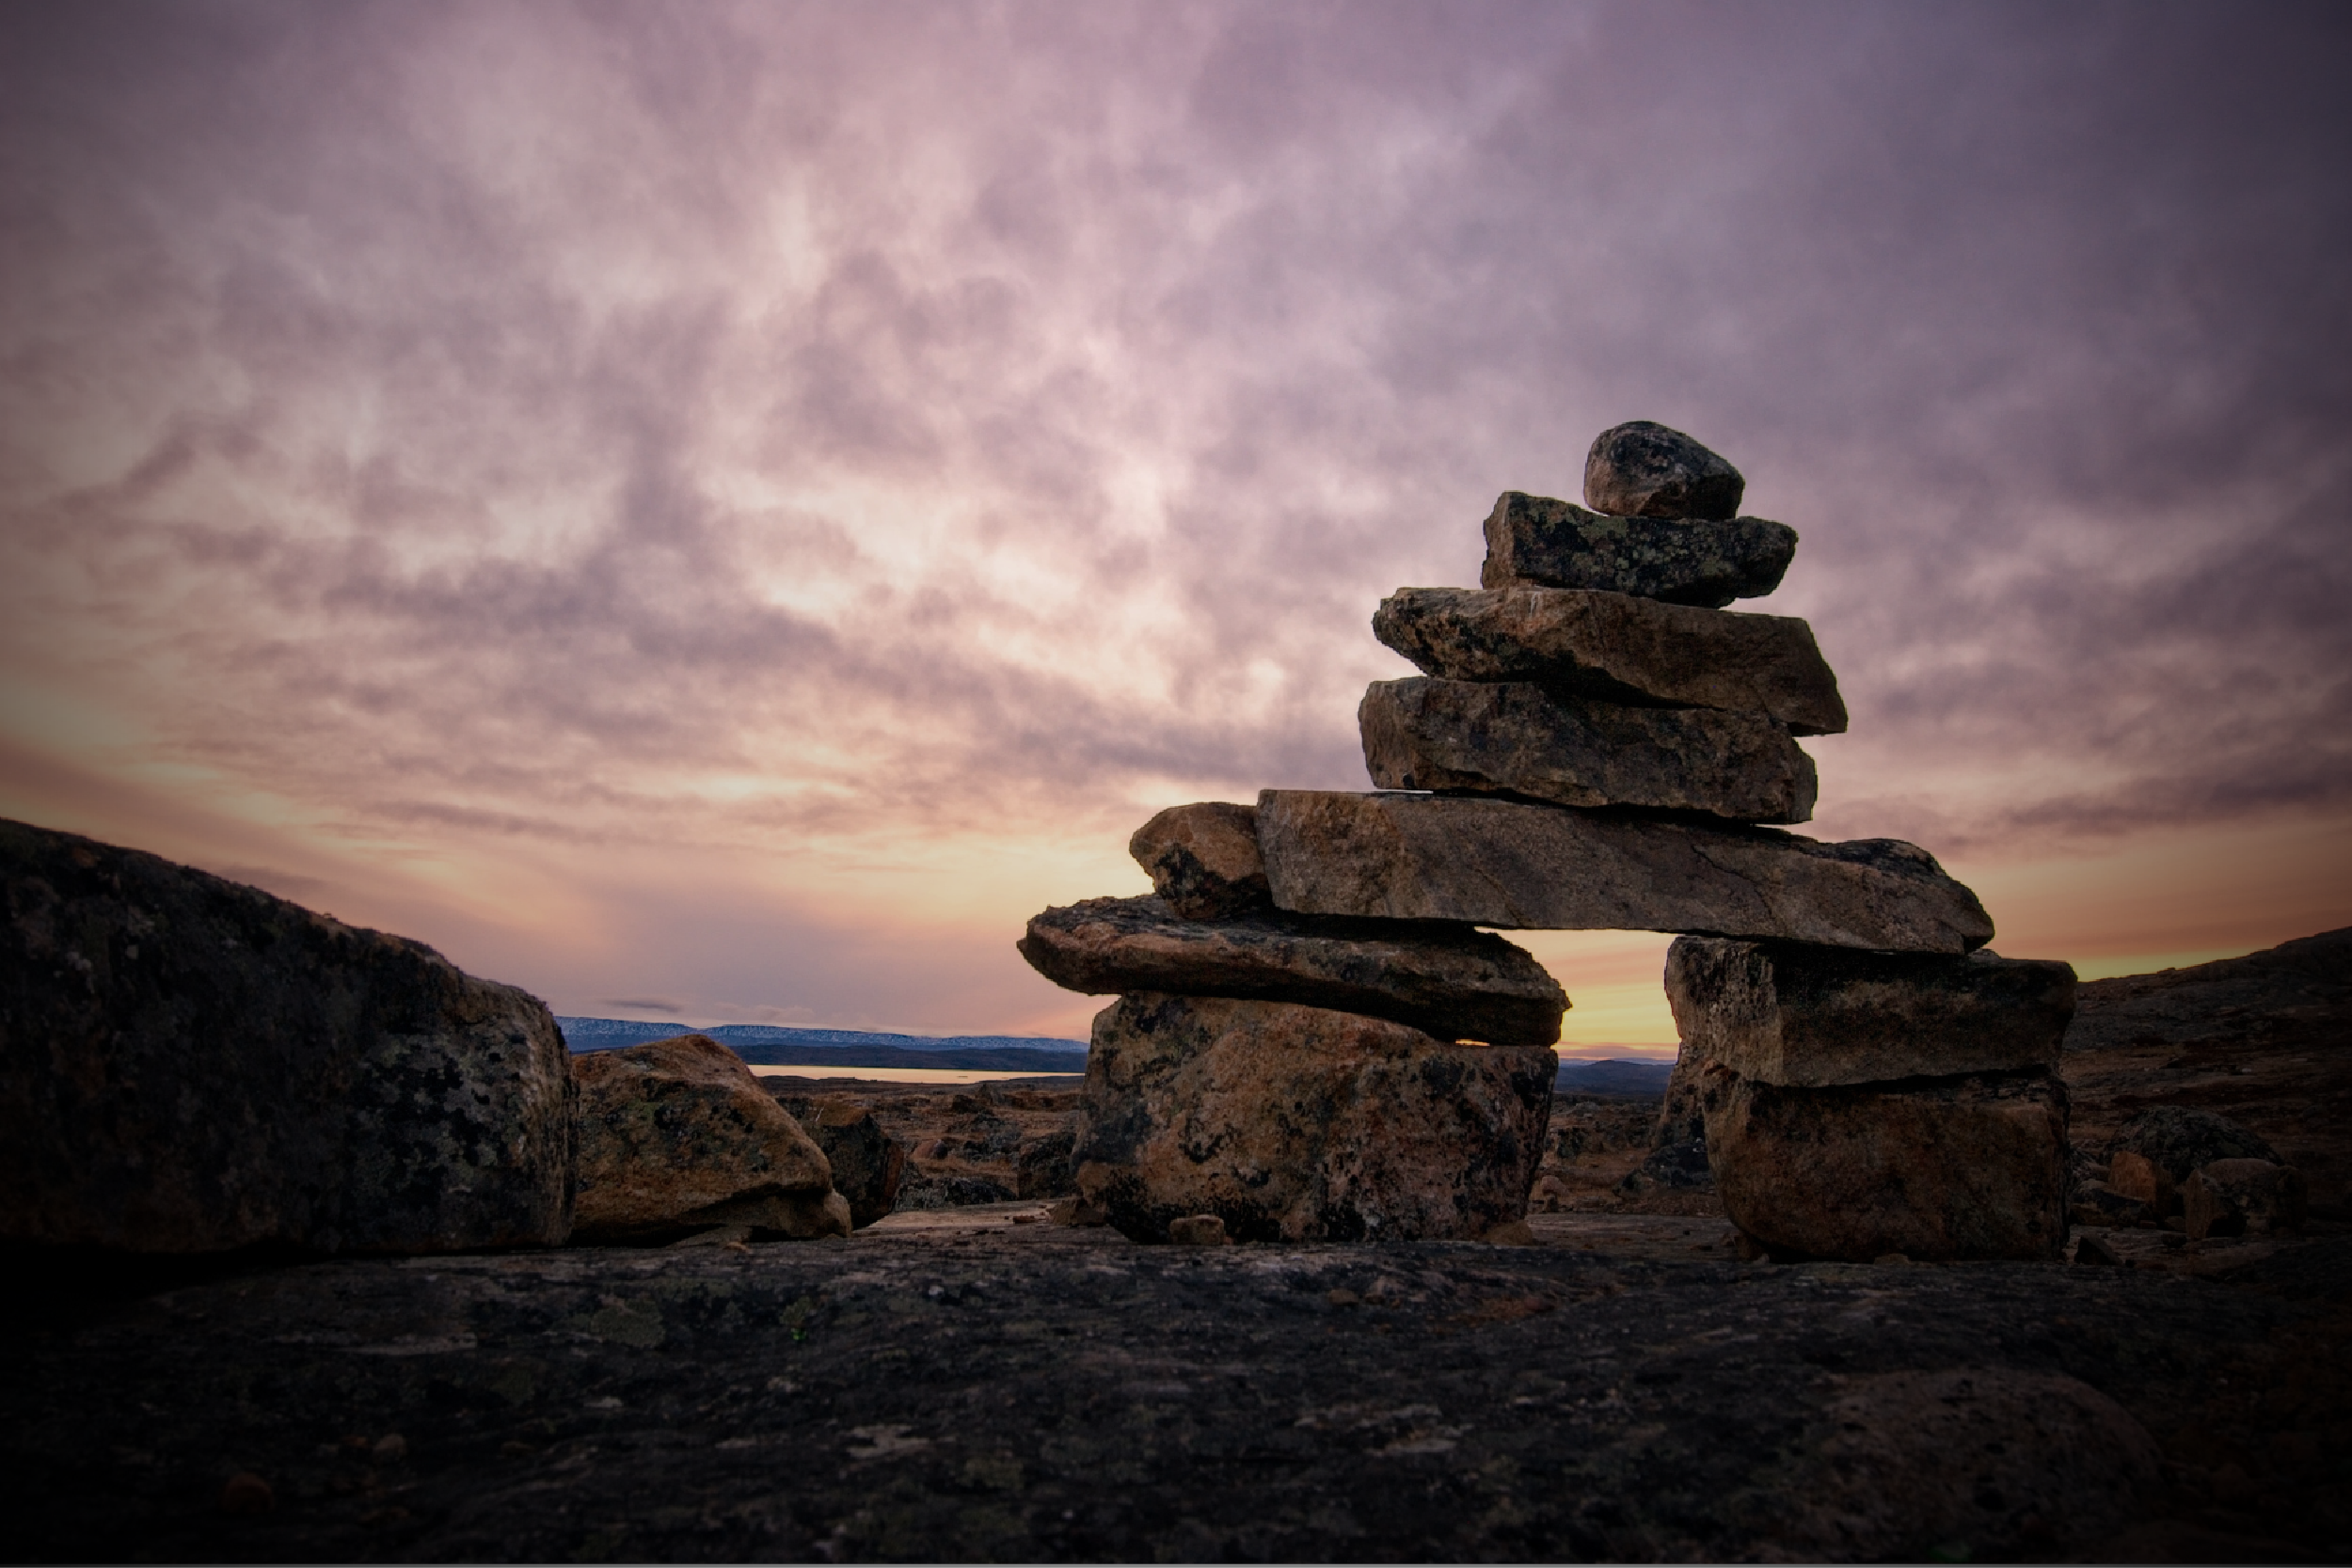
1618	648
1450	981
1297	1124
189	1065
1641	468
1799	1015
1533	541
1950	1169
1203	859
1520	738
1513	865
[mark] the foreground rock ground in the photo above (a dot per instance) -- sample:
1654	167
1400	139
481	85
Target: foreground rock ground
960	1384
963	1387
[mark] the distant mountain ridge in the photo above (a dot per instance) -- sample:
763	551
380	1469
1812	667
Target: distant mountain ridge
775	1045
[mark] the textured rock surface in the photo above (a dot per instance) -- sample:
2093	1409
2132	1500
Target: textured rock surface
1641	468
867	1163
2296	993
1042	1394
1519	737
1447	980
188	1065
1302	1124
1203	859
1618	648
677	1136
1793	1015
1503	863
2243	1197
1942	1170
2177	1139
1534	542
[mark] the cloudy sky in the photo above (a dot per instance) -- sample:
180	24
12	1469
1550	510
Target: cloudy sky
723	512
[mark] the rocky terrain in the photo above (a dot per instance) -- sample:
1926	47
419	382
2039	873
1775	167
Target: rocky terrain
979	1382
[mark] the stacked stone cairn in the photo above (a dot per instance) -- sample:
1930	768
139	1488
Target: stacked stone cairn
1315	1039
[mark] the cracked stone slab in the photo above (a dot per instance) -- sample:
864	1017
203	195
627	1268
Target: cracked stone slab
1618	648
1797	1016
1520	738
1448	980
1516	866
1539	541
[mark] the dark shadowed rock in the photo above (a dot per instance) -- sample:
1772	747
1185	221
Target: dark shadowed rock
2284	997
188	1065
1795	1015
1936	1169
2177	1139
1504	864
1618	648
2008	1464
1536	542
1302	1124
1042	1167
1518	737
868	1162
1203	859
677	1136
923	1191
2242	1197
1445	979
1644	470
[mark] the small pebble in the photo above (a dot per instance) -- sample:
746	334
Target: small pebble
1344	1298
390	1449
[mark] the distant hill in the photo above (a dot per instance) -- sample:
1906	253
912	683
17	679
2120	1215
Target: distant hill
771	1045
1617	1077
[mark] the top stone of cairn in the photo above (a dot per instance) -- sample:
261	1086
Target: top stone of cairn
1644	470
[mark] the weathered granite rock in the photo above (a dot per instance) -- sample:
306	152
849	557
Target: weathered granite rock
1503	863
1303	1124
867	1163
1203	859
1919	1462
1446	980
2284	998
2242	1197
1799	1016
1042	1169
2135	1177
1518	737
677	1136
1536	542
1618	648
1938	1170
188	1065
1641	468
2177	1139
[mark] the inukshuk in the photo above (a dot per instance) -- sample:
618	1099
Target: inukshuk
1316	1040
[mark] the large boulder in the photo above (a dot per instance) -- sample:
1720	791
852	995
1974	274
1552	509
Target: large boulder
1519	737
1936	1169
869	1165
189	1065
1515	866
1296	1124
677	1136
1794	1015
1448	980
1641	468
1618	648
1536	542
1203	859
